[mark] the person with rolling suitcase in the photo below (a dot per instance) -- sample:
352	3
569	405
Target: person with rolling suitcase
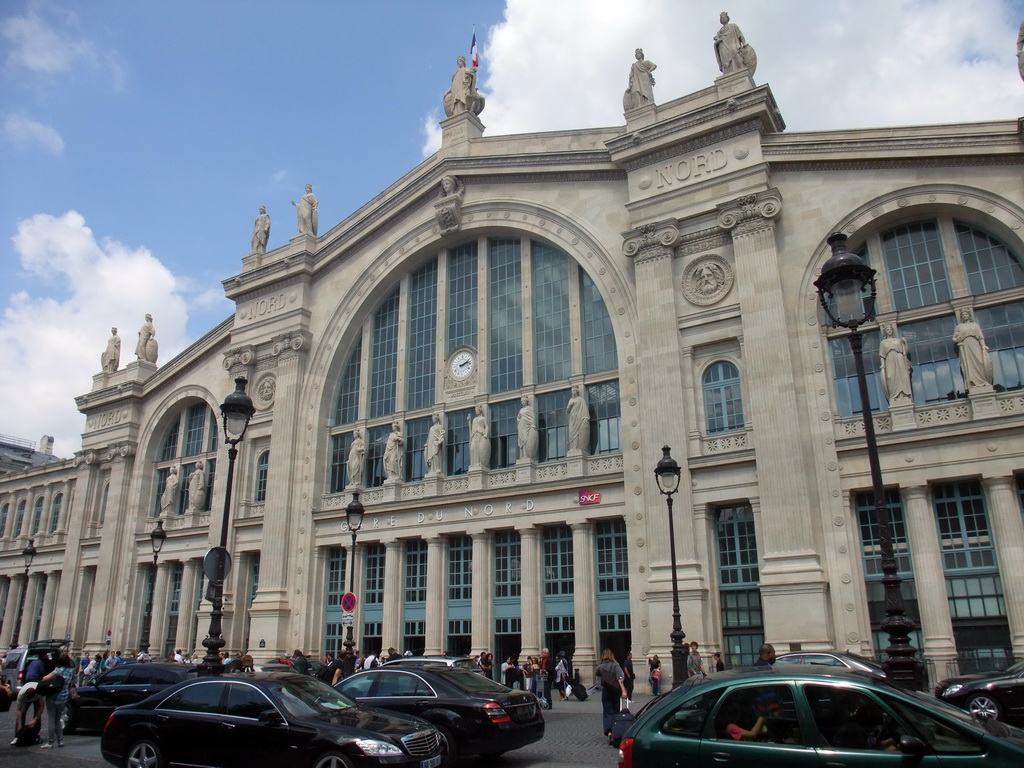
613	693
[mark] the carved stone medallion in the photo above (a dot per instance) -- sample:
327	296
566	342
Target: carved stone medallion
266	388
707	280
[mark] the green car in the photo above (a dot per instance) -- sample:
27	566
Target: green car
791	716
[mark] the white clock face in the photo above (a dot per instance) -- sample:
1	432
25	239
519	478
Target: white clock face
462	365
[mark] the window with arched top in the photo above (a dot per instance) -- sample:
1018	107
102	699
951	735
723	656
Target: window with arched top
262	470
494	319
723	401
19	518
189	445
37	516
55	507
925	269
4	511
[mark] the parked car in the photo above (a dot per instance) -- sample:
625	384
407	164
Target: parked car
464	662
833	659
475	715
999	695
117	686
794	716
17	659
264	720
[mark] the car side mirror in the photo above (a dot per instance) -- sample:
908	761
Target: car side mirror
911	745
271	717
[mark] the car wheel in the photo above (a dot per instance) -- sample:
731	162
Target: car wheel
449	747
332	760
144	754
984	705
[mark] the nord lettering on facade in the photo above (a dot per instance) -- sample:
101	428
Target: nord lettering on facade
695	167
262	307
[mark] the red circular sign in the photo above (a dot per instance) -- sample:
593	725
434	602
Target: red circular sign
348	602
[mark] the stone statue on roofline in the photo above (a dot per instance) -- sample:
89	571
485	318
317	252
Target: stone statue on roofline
1020	51
146	348
731	49
111	357
463	96
306	210
640	91
261	232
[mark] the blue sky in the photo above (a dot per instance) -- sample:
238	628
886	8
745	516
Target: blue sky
138	140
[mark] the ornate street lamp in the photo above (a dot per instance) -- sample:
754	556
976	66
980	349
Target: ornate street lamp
846	290
29	554
236	410
667	472
156	539
354	517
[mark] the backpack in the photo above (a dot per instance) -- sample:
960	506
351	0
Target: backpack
50	685
375	662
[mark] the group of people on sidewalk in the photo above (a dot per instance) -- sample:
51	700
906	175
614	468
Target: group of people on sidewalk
48	685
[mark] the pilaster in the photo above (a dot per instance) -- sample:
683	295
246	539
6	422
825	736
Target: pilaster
483	605
158	628
52	585
391	629
1008	537
436	593
185	636
17	586
584	595
532	599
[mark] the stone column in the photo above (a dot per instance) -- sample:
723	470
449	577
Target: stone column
394	596
483	598
158	628
357	589
585	597
1008	537
187	609
34	593
437	593
929	579
793	585
532	598
52	584
16	588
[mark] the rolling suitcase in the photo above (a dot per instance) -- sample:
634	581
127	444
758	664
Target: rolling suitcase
579	692
620	724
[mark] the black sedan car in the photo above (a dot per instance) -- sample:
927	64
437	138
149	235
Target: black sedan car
993	694
264	720
475	715
120	685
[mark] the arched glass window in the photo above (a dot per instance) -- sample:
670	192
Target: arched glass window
524	319
190	442
723	402
262	469
37	516
989	264
4	510
19	519
55	505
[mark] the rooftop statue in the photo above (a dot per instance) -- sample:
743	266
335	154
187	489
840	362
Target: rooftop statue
462	96
111	357
146	348
261	231
307	213
731	49
640	92
1020	51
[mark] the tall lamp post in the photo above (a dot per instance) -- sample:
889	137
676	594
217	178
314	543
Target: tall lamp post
667	472
354	517
236	411
29	554
156	539
846	290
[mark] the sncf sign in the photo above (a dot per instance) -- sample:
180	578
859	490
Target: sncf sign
590	497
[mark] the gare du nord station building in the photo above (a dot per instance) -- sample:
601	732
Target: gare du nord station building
664	269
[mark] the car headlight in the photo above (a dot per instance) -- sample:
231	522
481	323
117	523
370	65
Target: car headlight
950	690
378	748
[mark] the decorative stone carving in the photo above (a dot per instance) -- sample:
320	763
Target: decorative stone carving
169	497
448	207
895	366
526	430
111	357
265	390
146	348
356	455
261	231
479	440
579	422
640	92
651	241
749	213
975	361
306	210
197	488
433	451
1020	51
394	453
463	96
731	49
707	280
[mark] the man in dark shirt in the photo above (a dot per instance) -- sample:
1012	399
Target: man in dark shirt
36	668
766	655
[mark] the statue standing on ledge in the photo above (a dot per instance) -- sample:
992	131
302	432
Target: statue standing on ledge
579	421
895	366
170	495
146	348
975	361
261	231
111	357
462	96
394	453
479	440
731	49
640	92
356	452
197	489
307	213
435	444
526	430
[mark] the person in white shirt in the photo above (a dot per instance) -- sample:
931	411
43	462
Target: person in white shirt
370	661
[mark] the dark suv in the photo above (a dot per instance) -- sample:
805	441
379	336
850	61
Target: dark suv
17	659
123	684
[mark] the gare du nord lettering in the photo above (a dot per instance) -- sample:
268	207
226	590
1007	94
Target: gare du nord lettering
468	512
695	167
261	307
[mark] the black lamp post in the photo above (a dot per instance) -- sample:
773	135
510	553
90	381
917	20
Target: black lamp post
667	472
156	538
354	517
846	290
29	554
236	411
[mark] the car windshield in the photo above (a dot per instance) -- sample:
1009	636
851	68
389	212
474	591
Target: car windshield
474	683
305	697
1015	669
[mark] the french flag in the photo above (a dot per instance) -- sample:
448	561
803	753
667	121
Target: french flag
474	54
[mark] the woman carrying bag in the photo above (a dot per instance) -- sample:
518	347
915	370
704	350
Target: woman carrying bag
55	688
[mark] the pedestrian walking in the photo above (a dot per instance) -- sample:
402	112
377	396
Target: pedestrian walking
630	673
613	689
57	701
694	663
547	670
562	676
719	664
654	674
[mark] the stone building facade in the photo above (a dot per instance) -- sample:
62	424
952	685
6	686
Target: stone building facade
665	269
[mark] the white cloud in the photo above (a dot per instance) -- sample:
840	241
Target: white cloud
553	66
50	346
23	131
37	46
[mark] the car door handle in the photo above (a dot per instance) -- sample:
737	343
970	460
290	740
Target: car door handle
228	726
721	756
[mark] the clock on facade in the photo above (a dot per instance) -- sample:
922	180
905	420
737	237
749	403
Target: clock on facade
462	365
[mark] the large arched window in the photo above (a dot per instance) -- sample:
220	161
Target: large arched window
189	444
19	518
262	470
924	269
55	505
37	516
4	511
723	402
485	322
